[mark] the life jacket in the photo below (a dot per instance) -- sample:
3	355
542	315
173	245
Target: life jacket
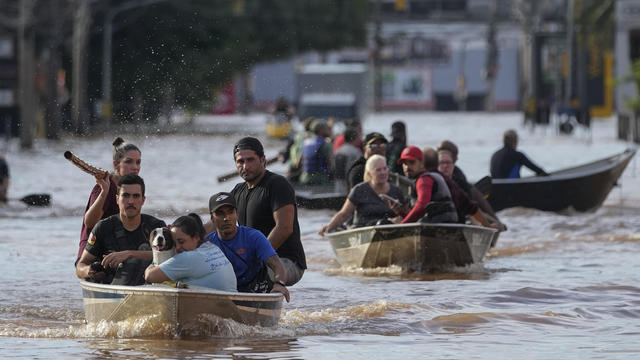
312	160
441	208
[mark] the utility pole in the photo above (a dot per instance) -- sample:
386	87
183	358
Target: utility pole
54	63
81	21
26	64
377	66
491	67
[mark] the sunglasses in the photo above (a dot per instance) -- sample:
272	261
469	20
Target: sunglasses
377	146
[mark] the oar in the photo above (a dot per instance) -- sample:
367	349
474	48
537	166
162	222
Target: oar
230	175
36	199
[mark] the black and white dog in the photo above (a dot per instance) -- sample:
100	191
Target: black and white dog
162	245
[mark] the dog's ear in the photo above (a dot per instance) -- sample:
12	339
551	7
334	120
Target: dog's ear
167	236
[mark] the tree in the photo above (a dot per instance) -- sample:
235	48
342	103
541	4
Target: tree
190	48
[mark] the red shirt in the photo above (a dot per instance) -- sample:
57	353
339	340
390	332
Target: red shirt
424	186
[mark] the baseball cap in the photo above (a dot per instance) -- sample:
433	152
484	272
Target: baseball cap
249	143
221	199
371	137
410	153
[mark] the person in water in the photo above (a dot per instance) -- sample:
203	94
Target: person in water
121	241
248	250
506	162
102	201
196	262
4	179
371	201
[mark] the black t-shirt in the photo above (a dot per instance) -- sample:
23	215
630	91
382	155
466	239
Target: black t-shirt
355	174
110	236
256	207
461	180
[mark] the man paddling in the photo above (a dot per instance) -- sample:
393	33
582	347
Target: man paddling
120	242
267	202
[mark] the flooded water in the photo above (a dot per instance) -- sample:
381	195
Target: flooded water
555	286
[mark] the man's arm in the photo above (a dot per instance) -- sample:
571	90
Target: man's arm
114	259
283	217
83	267
279	274
528	163
423	188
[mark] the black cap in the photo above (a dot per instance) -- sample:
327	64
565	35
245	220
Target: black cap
221	199
249	143
371	137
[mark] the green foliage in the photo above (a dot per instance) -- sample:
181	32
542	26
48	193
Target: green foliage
595	21
634	103
196	46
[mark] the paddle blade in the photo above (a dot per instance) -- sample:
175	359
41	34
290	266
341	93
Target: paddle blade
37	199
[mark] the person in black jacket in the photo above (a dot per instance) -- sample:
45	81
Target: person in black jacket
506	162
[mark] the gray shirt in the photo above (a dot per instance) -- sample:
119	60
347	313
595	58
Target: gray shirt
369	207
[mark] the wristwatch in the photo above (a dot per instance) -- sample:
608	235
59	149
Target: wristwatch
281	283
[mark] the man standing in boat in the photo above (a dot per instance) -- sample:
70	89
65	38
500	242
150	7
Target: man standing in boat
506	162
120	242
267	202
434	197
248	250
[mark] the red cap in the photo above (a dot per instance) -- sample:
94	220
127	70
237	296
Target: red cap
410	153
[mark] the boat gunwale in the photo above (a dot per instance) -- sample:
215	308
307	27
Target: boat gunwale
166	290
408	225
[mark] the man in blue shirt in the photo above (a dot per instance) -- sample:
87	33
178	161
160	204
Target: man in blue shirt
247	249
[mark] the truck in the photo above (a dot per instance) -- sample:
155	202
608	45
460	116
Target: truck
339	90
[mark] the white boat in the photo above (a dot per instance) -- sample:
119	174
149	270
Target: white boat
177	306
415	246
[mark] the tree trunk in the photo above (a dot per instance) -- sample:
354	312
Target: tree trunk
81	20
26	64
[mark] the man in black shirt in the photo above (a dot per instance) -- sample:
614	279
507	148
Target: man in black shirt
121	240
267	202
506	162
374	143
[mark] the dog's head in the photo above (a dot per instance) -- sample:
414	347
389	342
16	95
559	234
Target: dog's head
160	239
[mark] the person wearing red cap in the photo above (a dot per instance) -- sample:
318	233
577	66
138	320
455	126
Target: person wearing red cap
434	197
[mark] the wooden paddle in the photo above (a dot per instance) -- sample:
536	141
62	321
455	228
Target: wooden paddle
231	175
84	166
36	199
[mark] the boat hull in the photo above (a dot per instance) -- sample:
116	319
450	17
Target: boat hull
319	197
415	247
179	307
579	189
